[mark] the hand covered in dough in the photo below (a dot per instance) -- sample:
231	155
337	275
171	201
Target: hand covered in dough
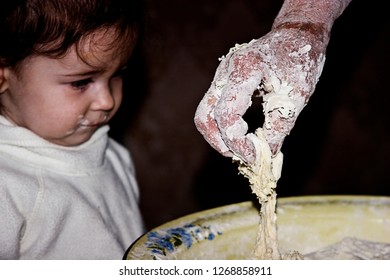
283	66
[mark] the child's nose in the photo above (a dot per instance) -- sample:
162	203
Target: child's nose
103	100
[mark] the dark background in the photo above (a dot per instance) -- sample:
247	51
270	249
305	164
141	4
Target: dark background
340	144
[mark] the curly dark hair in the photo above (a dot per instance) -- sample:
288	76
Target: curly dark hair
50	28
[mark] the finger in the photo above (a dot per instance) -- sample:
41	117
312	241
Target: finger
280	111
280	128
204	115
244	78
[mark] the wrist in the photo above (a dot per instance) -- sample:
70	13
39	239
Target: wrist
314	16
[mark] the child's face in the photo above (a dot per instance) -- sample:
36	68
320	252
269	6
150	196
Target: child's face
65	100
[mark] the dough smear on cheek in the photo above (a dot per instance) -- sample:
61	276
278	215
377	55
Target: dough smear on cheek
81	124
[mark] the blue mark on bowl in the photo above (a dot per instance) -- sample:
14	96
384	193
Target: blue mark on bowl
162	242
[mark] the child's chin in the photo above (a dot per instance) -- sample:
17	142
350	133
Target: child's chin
73	140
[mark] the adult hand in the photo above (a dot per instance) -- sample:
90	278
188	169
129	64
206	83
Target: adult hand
283	66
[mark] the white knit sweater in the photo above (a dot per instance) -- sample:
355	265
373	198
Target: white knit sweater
65	202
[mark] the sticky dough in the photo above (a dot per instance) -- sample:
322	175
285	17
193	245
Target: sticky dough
263	176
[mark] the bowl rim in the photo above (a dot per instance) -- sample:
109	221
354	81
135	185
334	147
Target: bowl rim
216	212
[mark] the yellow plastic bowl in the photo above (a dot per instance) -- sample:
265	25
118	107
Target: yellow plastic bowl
305	224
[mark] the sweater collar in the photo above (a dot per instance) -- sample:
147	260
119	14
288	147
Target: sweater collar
30	148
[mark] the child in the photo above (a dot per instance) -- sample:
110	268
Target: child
67	191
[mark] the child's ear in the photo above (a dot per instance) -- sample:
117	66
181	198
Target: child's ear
3	80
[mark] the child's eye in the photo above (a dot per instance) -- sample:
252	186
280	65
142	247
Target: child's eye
81	84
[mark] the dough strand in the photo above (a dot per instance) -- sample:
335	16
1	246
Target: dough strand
263	176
